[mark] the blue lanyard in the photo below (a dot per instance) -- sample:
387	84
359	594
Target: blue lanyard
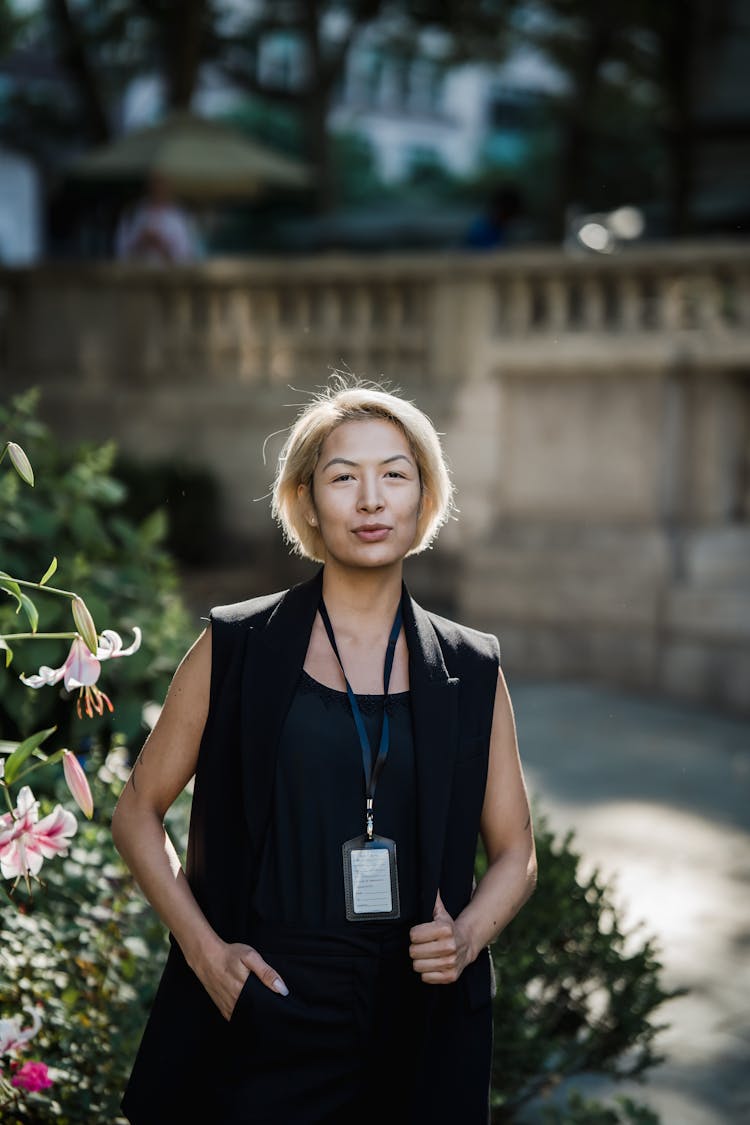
372	772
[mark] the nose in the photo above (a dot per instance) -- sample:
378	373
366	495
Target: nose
370	498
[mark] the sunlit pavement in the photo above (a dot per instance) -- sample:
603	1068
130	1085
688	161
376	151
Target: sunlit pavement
658	795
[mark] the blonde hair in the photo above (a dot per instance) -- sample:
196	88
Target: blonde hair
348	399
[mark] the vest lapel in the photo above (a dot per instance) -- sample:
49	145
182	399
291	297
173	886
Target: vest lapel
434	703
274	656
273	659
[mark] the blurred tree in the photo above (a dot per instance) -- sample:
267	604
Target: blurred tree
625	106
629	70
308	67
11	25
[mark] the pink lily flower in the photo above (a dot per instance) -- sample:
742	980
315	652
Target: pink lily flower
13	1036
77	783
81	670
26	841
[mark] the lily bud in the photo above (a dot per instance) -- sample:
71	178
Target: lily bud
21	462
84	623
78	784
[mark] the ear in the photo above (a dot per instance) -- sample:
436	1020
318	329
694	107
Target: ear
426	504
307	504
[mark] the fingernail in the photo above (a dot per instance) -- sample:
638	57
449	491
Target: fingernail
279	986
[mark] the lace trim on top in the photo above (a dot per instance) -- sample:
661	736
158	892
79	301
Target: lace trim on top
369	704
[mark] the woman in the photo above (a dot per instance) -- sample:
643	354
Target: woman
329	957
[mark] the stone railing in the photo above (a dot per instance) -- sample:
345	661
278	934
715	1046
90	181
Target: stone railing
595	413
419	317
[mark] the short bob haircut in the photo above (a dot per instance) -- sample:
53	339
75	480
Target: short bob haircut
346	400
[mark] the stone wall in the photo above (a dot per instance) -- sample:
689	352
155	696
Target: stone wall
595	412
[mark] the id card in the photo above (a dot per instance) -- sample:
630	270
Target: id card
370	879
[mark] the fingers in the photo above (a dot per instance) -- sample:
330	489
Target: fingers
253	961
436	961
434	947
439	912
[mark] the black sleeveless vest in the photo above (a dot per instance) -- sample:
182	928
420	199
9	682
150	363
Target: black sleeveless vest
258	649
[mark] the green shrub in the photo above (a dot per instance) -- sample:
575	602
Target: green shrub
75	513
590	1111
187	494
575	994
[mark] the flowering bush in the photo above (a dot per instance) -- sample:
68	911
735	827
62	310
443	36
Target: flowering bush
80	962
75	514
90	950
13	1038
26	840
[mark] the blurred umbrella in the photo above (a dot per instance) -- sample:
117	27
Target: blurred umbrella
199	159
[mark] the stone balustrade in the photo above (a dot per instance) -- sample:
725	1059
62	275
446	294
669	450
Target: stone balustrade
595	412
421	317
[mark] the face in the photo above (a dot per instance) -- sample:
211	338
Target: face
366	494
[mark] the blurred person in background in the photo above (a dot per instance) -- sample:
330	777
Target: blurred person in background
329	959
495	227
156	229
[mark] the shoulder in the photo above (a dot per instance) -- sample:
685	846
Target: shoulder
248	613
464	640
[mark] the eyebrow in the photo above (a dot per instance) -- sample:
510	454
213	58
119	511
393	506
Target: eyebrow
354	464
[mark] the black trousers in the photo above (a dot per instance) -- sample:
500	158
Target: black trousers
341	1047
359	1040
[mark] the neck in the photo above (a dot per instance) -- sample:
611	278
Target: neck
362	596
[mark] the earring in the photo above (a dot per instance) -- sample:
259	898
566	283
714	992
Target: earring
313	521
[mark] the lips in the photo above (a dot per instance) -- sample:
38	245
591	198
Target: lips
372	533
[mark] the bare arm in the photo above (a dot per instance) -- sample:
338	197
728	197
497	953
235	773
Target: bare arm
163	768
441	949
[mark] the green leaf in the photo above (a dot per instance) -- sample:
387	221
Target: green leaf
31	611
22	751
11	587
49	572
44	760
8	653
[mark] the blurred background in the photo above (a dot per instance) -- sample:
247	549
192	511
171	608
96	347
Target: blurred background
530	216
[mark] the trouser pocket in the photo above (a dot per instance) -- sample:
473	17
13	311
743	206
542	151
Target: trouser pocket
315	1019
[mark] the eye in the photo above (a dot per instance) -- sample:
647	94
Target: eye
396	473
342	476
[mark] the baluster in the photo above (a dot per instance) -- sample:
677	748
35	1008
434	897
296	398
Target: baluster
670	303
629	303
740	296
594	304
519	307
709	301
393	308
362	311
557	304
330	309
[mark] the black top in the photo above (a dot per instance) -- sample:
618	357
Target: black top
319	803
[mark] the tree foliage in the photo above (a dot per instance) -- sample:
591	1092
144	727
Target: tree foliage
623	112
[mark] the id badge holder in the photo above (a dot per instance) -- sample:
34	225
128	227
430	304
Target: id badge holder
370	879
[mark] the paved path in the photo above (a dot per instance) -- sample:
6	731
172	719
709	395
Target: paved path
658	794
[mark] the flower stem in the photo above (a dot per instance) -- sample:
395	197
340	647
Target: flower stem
7	795
39	586
37	636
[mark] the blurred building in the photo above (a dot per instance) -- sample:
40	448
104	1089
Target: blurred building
417	113
720	102
20	210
